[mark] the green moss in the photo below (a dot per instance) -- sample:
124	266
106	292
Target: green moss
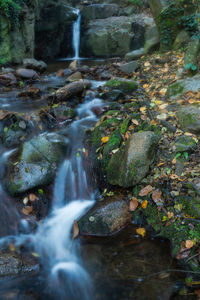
124	85
174	89
125	125
114	142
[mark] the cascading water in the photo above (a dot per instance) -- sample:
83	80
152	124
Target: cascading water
72	196
76	35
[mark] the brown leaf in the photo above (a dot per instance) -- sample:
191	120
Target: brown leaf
32	197
27	210
141	231
133	204
75	230
189	244
145	191
156	196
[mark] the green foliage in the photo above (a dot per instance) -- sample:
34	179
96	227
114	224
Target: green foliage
178	15
138	3
11	9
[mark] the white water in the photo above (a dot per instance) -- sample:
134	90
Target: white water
72	197
76	36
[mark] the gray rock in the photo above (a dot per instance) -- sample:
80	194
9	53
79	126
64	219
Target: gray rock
31	63
26	74
99	11
131	163
115	36
189	119
7	79
181	40
106	217
152	40
74	77
192	52
129	67
35	163
135	54
184	85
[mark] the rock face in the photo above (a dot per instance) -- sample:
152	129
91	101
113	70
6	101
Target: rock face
184	85
114	36
131	163
35	163
17	41
99	11
188	117
106	217
53	30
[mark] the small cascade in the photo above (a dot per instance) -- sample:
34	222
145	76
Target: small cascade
73	195
76	35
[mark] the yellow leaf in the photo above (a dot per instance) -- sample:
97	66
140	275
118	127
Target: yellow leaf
105	139
143	108
170	214
189	244
158	102
141	231
134	121
174	161
144	204
163	91
145	86
147	64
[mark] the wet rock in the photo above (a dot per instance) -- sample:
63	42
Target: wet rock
64	73
188	117
32	92
131	163
113	95
7	79
35	163
184	85
135	54
122	84
75	76
12	264
106	217
7	70
129	67
185	143
84	69
73	65
89	95
27	74
62	112
37	65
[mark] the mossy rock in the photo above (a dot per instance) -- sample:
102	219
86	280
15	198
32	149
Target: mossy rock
189	118
183	86
185	143
175	89
114	142
124	85
131	163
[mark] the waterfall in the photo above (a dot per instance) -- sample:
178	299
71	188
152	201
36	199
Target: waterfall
76	35
66	278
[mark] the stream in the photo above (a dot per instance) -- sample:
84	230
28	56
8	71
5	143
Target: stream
124	266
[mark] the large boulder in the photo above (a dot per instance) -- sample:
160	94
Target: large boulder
122	84
31	63
114	36
106	217
131	163
99	11
184	85
35	163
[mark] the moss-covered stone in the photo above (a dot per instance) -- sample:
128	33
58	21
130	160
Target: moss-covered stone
185	143
175	89
189	118
124	85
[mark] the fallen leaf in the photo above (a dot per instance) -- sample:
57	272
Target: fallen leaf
145	191
32	197
170	214
27	210
133	204
134	121
105	139
141	231
156	196
144	204
143	108
163	91
75	230
183	254
189	244
147	64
